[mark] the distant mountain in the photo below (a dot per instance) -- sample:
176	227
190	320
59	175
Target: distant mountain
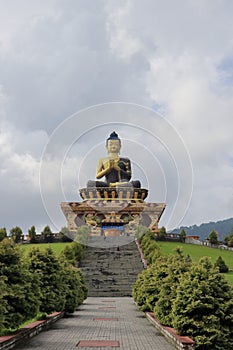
223	228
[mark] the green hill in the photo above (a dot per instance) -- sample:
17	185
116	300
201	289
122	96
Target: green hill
223	227
196	252
57	247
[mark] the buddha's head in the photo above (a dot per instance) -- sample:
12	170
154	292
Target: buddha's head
113	143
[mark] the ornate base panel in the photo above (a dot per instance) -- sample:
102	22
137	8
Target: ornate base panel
99	213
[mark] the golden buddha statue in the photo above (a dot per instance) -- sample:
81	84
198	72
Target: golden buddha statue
116	169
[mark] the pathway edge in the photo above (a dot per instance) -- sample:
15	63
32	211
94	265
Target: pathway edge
180	342
10	341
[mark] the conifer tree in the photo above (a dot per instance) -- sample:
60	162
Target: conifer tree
32	234
183	235
203	308
229	239
221	265
150	248
177	265
213	237
68	255
79	250
21	286
52	282
2	301
47	234
76	290
162	232
65	235
147	287
3	233
16	233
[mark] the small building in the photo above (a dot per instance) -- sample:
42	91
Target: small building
192	239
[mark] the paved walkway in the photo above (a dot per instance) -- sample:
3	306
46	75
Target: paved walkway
105	319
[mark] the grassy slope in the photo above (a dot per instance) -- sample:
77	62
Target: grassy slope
57	247
196	252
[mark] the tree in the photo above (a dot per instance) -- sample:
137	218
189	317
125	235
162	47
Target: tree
203	307
146	237
141	230
73	253
21	287
177	265
16	233
147	287
83	233
213	237
79	250
182	235
220	263
32	234
68	254
162	232
47	234
62	287
50	271
3	293
229	239
64	234
3	233
149	247
76	290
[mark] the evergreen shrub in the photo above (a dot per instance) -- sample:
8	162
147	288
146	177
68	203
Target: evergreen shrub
195	299
21	287
203	308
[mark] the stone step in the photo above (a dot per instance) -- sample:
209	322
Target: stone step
107	272
119	269
111	271
108	286
110	294
112	288
111	280
116	259
95	283
111	277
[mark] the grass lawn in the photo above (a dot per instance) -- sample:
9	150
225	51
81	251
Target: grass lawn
196	252
56	247
229	276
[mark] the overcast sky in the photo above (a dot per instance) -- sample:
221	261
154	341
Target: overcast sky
170	62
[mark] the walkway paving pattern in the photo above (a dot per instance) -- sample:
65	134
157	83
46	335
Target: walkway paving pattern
115	319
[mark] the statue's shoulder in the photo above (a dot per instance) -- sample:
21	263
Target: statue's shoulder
103	161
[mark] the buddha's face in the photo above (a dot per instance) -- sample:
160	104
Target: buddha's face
113	146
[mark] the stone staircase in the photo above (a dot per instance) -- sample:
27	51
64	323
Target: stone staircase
111	266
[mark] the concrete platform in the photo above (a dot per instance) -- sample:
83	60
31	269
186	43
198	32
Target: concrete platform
123	324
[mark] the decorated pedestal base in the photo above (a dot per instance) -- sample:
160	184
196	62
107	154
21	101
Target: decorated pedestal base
114	211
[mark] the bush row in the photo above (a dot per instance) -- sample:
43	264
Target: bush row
36	283
193	298
149	247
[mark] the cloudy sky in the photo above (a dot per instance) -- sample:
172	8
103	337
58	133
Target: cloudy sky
163	71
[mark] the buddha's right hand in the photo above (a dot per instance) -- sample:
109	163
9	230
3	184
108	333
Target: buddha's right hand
111	164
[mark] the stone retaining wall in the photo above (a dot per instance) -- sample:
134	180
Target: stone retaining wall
146	266
29	331
180	342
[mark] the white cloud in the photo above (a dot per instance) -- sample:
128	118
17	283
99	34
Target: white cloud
57	57
123	44
19	171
